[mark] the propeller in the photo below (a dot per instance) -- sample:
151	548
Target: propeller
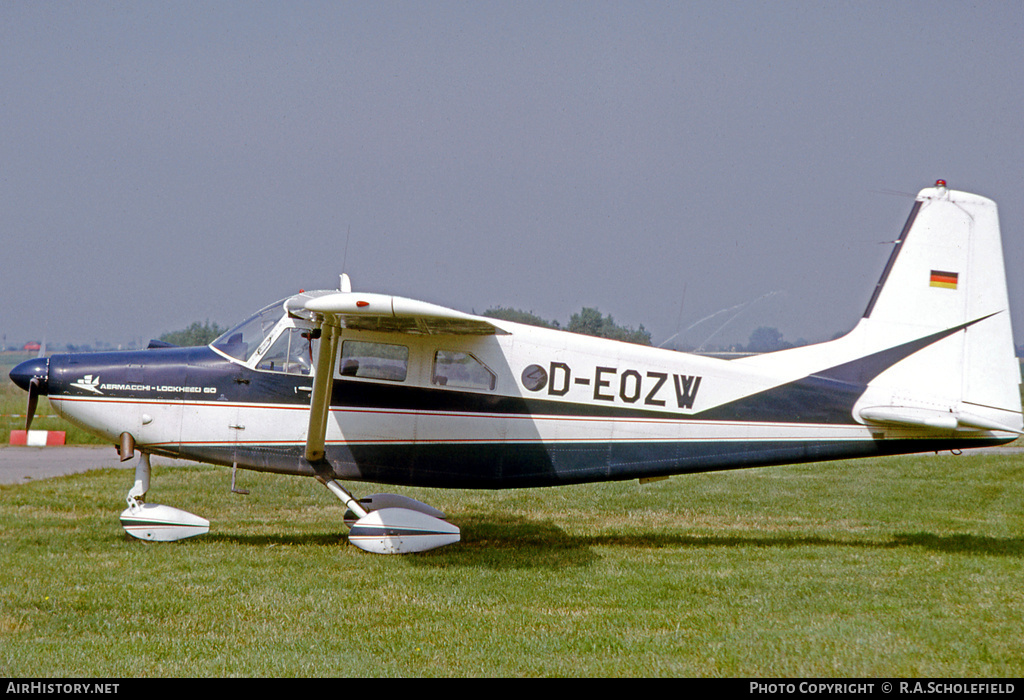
33	377
33	399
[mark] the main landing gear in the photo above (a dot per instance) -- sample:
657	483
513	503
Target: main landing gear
154	522
383	523
386	523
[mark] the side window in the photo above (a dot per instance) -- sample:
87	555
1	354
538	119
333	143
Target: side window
292	353
462	370
374	360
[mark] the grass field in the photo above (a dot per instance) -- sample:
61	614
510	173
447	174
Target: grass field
892	567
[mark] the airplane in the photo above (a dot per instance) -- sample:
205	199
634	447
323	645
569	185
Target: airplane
340	385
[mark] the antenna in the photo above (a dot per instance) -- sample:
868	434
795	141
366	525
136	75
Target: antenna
344	257
742	307
345	284
679	319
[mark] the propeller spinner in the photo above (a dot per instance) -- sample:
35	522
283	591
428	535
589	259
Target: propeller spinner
31	375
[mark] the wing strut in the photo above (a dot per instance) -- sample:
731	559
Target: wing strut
323	382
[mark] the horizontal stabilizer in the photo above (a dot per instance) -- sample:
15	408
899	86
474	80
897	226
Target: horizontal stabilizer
930	418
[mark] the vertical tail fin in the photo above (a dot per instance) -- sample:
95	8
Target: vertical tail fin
945	281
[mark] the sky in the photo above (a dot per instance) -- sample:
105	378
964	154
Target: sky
751	162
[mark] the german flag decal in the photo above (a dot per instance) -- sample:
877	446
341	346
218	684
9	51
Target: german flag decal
944	279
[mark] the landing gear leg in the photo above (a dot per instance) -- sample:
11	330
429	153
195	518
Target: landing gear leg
137	495
343	496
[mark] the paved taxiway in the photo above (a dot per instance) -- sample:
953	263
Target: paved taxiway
21	464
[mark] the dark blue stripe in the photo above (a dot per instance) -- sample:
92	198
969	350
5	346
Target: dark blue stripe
500	466
368	531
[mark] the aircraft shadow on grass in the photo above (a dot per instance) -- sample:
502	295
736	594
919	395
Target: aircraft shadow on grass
509	541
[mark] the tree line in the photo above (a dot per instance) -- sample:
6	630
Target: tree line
196	334
589	321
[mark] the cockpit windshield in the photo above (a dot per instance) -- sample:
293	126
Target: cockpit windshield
242	341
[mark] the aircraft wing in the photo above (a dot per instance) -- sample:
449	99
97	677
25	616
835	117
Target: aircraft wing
384	312
373	312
